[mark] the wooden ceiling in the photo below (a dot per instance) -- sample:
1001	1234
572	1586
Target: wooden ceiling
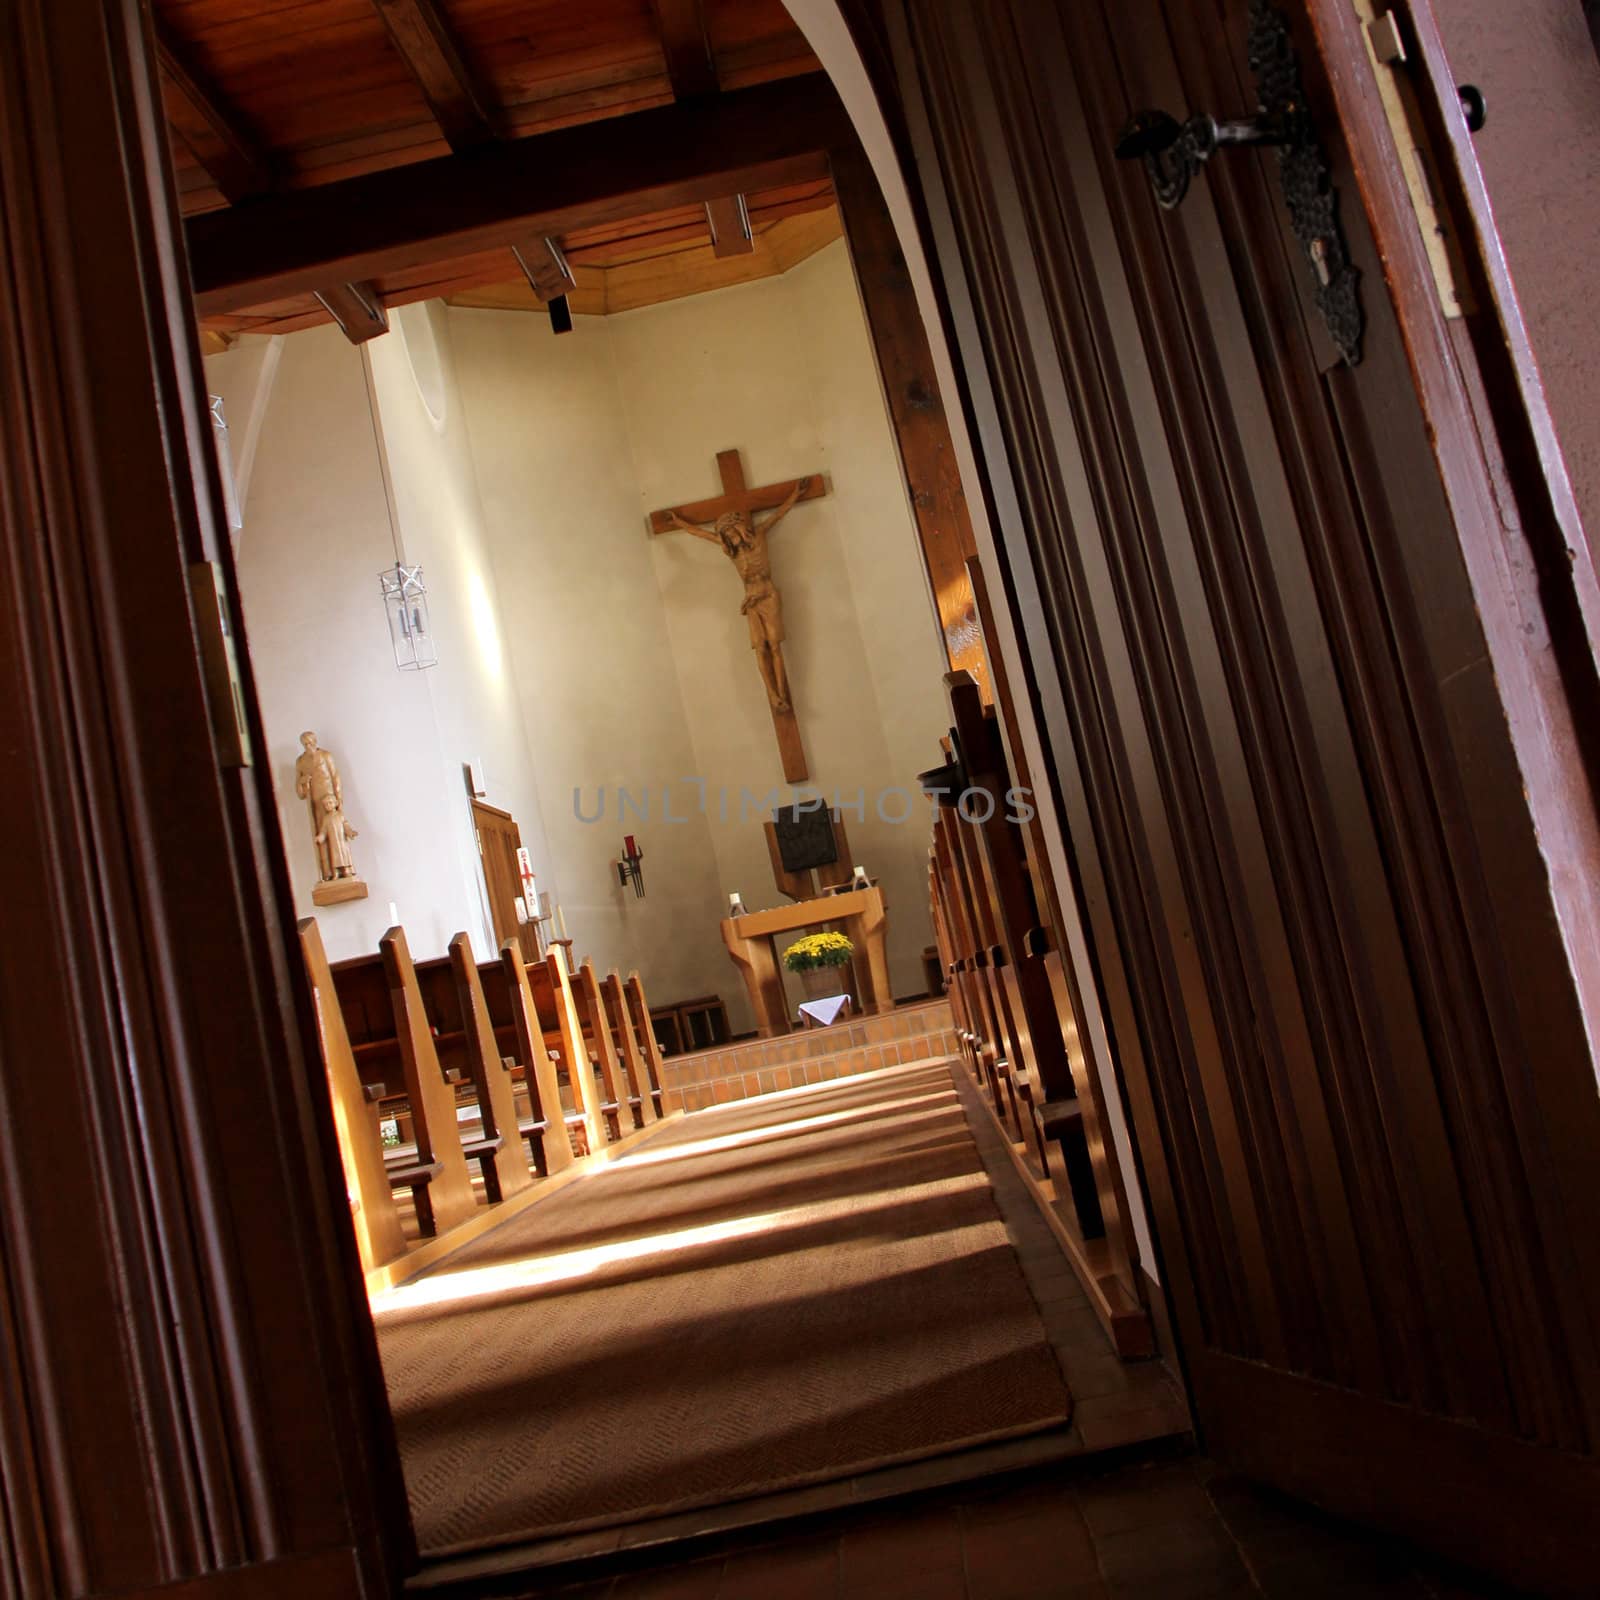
271	101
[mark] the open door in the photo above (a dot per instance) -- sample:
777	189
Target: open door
499	839
1307	615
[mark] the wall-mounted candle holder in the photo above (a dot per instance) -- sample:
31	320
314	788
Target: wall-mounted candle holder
629	869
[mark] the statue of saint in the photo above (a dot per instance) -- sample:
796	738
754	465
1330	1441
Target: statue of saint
316	781
744	543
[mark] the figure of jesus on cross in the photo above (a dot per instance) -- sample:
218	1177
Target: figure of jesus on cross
744	543
734	528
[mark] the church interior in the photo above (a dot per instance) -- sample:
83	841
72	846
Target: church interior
562	770
890	881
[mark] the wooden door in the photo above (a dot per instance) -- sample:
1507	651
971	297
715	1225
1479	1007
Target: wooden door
1310	645
499	839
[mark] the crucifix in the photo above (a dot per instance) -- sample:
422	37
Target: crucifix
743	540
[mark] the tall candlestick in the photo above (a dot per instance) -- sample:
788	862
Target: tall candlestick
561	922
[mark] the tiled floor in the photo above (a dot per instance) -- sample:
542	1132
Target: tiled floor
1170	1531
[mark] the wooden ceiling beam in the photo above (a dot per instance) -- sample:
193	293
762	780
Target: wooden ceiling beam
687	47
504	194
210	127
544	265
426	44
357	308
729	220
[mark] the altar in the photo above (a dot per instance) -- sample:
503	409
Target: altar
752	941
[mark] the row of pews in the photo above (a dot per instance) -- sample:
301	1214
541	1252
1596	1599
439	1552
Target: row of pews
511	1068
1013	1007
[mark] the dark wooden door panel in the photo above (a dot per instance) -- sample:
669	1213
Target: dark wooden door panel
1355	1059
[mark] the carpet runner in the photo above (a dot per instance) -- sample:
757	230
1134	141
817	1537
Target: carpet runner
779	1292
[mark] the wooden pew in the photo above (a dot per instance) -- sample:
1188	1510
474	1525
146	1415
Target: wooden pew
988	886
599	1110
630	1050
448	1199
639	1010
505	1171
546	1132
560	1025
602	1049
379	1237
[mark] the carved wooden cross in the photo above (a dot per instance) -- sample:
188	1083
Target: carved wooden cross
743	540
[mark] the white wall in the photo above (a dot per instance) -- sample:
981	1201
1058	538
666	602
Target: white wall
316	535
590	650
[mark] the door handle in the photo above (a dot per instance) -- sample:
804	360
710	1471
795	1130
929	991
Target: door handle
1173	152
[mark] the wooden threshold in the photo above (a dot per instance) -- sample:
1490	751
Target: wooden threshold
432	1251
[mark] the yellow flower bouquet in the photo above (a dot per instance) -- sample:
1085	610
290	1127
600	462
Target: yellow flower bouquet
818	950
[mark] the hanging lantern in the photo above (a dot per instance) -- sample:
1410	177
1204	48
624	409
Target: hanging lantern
405	598
230	487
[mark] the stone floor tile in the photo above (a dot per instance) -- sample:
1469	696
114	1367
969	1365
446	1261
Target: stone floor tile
804	1570
941	1584
1146	1497
1194	1549
1049	1548
696	1582
1334	1575
927	1542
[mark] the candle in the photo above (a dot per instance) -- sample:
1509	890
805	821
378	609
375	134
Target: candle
860	876
627	845
394	915
735	905
561	922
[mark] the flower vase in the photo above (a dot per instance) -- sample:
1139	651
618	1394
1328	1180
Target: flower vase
820	983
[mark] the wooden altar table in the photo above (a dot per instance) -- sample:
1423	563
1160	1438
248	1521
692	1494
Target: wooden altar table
752	941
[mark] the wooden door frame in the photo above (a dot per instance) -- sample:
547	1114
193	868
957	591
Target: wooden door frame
190	1381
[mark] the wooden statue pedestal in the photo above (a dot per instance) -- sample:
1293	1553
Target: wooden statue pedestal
752	942
334	891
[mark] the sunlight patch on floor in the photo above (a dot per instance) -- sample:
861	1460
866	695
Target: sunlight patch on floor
650	1157
476	1283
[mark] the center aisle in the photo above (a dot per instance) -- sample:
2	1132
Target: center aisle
778	1292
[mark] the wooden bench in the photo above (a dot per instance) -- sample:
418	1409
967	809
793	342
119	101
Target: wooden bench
639	1011
505	1172
599	1047
367	1003
447	1198
554	1010
998	959
379	1236
630	1050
